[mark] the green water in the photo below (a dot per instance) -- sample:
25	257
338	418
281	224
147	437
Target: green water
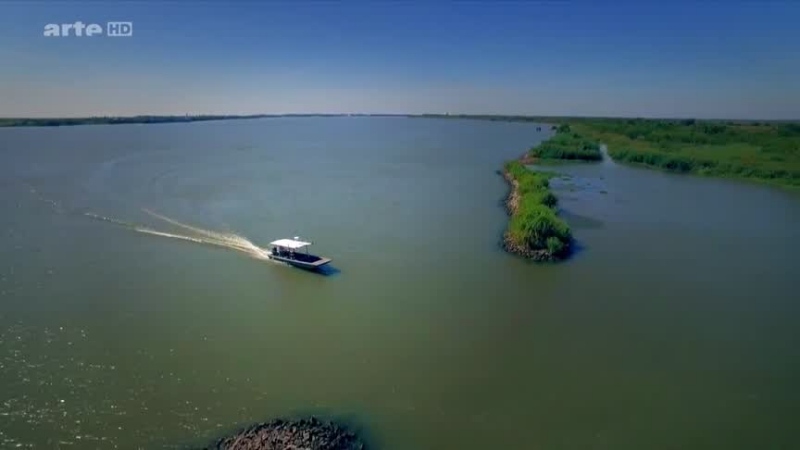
676	324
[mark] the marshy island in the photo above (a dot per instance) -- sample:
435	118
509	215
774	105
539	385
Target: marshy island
535	231
767	152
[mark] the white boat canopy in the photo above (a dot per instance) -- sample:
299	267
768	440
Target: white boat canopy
290	243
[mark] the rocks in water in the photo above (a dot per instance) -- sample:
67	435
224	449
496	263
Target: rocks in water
540	255
305	434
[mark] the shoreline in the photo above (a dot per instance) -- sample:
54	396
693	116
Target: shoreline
512	204
554	236
535	230
763	152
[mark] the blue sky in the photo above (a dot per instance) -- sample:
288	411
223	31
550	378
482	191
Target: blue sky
678	59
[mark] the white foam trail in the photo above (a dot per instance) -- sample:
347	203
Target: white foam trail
230	239
207	237
208	233
170	235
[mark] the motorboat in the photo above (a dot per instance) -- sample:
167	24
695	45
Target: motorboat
295	252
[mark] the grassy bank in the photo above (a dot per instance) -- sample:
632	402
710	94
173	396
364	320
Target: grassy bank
765	151
567	144
534	230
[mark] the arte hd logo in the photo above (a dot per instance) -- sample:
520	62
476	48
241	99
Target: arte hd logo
80	29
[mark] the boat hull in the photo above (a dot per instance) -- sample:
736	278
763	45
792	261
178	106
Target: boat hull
308	265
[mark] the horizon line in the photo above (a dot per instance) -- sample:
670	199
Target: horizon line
210	116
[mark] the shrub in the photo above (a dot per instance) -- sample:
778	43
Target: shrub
568	145
555	246
760	150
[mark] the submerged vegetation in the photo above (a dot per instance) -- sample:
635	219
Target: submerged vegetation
762	151
534	231
568	144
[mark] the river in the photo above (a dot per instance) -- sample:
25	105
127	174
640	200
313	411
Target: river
675	325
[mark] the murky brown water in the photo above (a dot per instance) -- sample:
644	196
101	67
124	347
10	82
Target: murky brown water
675	326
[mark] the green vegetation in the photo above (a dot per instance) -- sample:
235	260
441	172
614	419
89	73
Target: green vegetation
567	144
534	230
766	151
762	151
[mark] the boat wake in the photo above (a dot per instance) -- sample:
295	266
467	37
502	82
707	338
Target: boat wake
194	234
189	233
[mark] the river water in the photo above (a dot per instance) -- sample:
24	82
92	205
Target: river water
137	310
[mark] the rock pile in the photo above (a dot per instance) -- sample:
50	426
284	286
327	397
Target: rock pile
305	434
